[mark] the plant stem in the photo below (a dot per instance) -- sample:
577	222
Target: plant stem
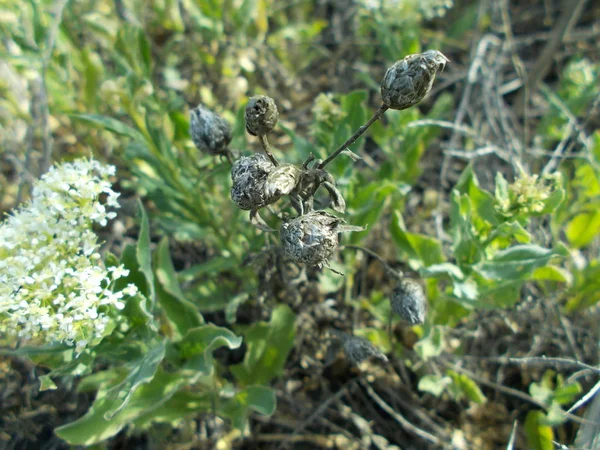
383	108
265	145
389	269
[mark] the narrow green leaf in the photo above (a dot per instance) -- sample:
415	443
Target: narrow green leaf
110	124
539	437
143	255
583	228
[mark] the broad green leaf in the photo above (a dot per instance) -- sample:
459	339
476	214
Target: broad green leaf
467	249
519	261
178	407
268	347
539	436
258	398
140	372
434	384
422	251
467	387
110	124
94	427
181	313
583	228
482	201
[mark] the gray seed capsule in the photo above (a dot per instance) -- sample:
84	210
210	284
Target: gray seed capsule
261	115
210	132
311	238
282	180
409	301
409	80
249	174
358	349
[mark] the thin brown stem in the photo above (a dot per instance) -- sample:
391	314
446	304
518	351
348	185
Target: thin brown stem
355	136
267	148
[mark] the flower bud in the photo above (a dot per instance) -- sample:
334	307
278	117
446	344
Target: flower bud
210	132
409	301
312	238
358	349
409	80
282	180
261	115
249	174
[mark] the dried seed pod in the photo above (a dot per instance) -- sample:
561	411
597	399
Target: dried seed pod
312	238
261	115
358	349
409	301
210	132
282	180
409	80
249	174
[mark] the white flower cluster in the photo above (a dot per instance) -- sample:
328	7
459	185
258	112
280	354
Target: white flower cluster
53	285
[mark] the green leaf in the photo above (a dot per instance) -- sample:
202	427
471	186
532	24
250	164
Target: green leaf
180	312
268	347
432	343
466	245
539	436
519	261
140	371
467	387
178	407
110	124
421	250
94	427
583	228
434	384
258	398
142	252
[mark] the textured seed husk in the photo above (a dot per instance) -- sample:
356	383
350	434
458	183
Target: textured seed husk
282	180
409	80
409	301
210	132
311	238
358	349
249	174
261	115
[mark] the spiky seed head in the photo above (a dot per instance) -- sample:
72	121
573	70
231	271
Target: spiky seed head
282	180
311	238
358	349
210	132
409	301
261	115
249	174
409	80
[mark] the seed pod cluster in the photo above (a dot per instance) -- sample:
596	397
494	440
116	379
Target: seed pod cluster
210	132
358	349
261	115
409	301
409	80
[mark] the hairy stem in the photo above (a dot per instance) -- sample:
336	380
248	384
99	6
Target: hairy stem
355	136
265	145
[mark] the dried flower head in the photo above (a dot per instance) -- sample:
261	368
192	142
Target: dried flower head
409	301
53	285
282	180
312	238
261	115
358	349
249	174
409	80
210	132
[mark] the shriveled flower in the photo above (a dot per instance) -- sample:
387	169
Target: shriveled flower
358	349
313	237
210	132
249	175
53	286
409	80
282	180
409	301
261	115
